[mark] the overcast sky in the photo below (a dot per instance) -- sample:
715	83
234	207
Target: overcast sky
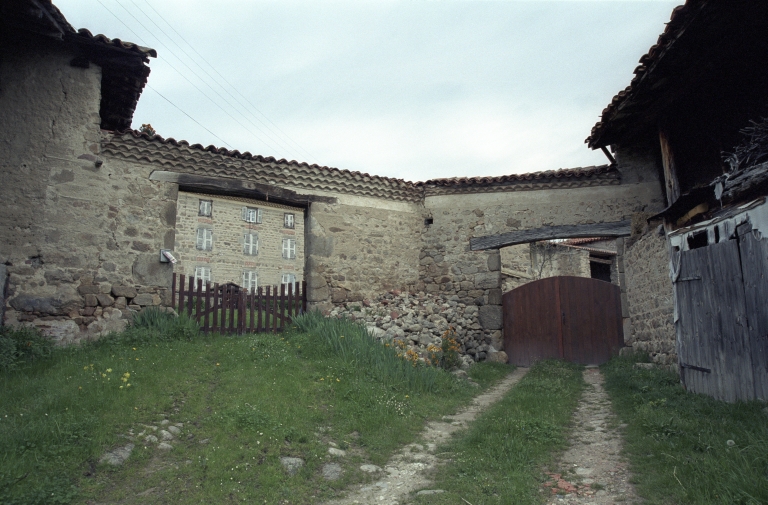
412	89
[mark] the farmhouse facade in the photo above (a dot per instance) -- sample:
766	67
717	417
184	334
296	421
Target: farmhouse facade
89	204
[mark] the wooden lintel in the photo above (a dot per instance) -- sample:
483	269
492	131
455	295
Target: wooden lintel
612	229
238	187
604	261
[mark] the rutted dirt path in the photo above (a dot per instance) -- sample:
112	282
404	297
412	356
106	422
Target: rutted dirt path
408	468
592	469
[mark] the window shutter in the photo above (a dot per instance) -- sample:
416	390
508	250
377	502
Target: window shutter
255	246
208	239
245	244
200	238
244	213
258	216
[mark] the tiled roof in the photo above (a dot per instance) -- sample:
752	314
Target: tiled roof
84	35
681	17
563	178
124	69
180	156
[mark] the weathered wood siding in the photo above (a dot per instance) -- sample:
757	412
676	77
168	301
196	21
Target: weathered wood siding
721	293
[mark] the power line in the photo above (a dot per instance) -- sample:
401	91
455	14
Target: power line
140	39
193	84
286	136
278	140
190	117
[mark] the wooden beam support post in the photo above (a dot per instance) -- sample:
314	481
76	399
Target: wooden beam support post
671	183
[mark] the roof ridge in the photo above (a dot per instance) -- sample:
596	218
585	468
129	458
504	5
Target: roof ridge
451	181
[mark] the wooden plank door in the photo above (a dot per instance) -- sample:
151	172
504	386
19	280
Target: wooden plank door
573	318
754	260
712	331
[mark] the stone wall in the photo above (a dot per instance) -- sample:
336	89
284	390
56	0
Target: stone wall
227	259
77	231
360	248
450	267
650	297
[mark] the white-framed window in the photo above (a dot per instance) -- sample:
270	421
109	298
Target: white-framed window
203	274
251	215
204	239
289	220
288	279
205	208
250	280
251	244
289	248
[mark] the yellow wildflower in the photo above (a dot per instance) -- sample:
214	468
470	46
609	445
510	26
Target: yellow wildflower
109	370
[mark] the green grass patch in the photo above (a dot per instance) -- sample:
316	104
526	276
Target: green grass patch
688	448
499	459
244	402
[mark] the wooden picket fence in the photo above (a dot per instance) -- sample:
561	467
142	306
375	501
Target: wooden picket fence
228	308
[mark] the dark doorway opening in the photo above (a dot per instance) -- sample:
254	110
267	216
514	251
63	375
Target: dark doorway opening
600	269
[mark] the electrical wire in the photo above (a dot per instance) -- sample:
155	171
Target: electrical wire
190	117
253	107
193	84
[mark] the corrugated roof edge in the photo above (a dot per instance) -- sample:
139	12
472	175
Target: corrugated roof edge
547	174
117	43
680	16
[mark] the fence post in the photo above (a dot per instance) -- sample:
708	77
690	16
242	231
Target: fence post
303	296
259	309
274	310
181	293
290	301
207	310
198	315
190	295
216	308
173	291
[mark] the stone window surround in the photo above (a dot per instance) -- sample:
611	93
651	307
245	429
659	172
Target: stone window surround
203	273
250	280
252	215
205	208
289	248
204	241
251	244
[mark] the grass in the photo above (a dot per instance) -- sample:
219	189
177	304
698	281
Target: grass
499	459
688	448
244	402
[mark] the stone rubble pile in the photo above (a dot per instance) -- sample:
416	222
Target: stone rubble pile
422	319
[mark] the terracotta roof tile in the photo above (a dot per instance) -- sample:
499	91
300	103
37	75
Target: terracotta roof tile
85	35
681	16
345	181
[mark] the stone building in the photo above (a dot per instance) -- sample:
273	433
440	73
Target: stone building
89	206
248	242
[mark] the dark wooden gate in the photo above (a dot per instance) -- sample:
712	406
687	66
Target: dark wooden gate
577	319
721	294
227	308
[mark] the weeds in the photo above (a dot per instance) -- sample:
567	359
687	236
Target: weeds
688	448
351	342
22	344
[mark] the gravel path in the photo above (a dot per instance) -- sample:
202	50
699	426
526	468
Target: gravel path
408	468
592	469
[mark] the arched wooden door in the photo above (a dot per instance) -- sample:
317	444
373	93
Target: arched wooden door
577	319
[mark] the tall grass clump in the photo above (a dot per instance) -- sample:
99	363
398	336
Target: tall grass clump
153	324
355	346
22	344
685	447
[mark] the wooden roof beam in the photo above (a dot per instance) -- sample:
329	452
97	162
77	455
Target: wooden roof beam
612	229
